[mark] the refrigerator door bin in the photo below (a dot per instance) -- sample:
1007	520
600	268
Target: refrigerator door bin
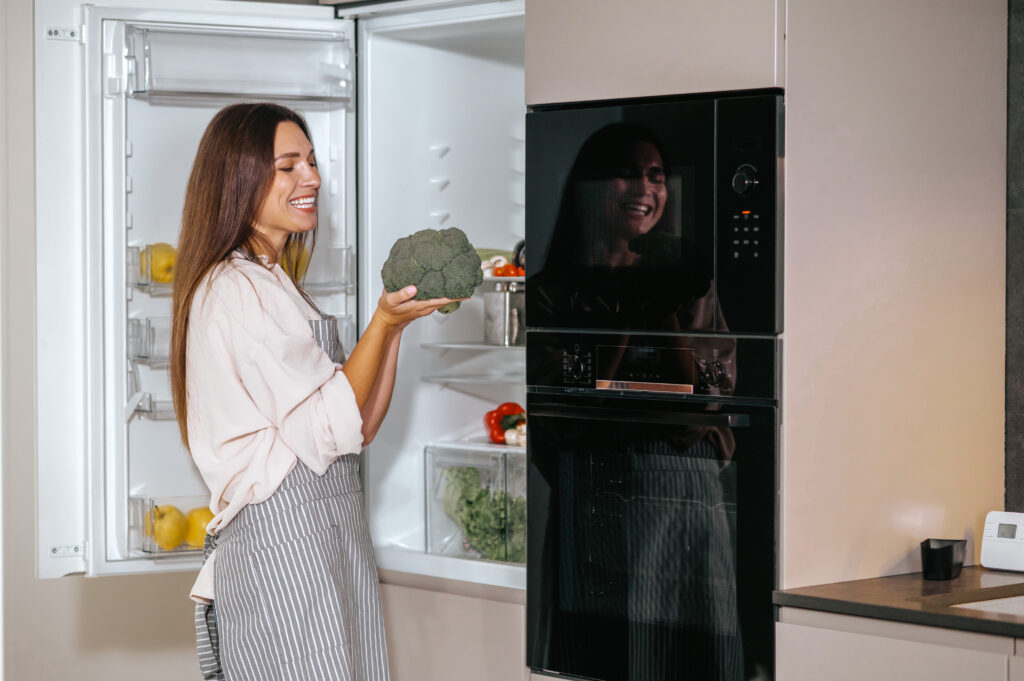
149	341
151	268
168	60
330	271
165	526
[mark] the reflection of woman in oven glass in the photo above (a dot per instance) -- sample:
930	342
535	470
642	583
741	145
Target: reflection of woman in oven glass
622	232
655	542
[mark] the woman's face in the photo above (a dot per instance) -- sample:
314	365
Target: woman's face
290	205
636	195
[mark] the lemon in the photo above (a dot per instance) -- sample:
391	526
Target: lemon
159	266
196	521
295	252
167	525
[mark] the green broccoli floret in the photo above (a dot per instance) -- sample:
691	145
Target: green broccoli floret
494	525
440	263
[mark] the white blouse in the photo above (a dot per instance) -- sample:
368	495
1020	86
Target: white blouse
262	395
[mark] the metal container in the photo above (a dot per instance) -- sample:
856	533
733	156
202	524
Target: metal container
505	312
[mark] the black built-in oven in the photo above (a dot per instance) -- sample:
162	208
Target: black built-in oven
653	244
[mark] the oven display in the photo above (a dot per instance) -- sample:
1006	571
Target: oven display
645	368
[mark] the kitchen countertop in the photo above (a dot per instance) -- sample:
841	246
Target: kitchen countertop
912	599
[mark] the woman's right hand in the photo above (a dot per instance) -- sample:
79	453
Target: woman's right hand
397	308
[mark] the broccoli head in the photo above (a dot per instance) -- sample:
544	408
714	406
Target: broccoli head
440	263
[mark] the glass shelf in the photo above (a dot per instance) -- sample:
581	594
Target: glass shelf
472	345
477	379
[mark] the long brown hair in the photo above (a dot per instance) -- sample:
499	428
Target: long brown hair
231	176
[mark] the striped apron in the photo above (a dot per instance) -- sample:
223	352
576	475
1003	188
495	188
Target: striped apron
295	584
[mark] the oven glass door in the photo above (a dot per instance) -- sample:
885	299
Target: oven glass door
651	546
620	217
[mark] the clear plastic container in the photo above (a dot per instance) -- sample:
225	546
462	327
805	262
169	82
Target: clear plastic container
151	268
330	271
476	501
149	340
168	525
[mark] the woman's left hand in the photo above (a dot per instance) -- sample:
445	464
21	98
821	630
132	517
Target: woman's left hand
397	308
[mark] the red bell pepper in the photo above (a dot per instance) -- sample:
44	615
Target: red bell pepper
500	419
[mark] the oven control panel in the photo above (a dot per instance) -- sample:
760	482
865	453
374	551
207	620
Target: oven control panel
708	365
577	367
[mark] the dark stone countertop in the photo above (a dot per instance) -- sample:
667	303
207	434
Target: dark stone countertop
912	599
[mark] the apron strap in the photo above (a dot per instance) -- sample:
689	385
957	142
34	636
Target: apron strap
207	637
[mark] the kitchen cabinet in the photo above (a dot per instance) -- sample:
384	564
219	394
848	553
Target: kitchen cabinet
583	50
812	645
436	635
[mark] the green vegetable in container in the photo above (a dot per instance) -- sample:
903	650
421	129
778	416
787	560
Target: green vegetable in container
440	263
481	515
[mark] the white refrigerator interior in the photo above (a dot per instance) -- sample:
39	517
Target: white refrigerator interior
438	132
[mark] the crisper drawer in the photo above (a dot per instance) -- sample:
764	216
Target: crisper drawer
476	502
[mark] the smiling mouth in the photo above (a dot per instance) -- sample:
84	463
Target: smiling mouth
640	209
304	203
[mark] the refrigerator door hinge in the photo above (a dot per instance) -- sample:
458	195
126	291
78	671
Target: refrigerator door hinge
71	34
65	550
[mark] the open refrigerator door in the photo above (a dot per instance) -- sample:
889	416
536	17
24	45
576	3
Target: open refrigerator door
116	485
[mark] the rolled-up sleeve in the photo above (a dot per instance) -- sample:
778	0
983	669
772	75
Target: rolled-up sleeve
261	393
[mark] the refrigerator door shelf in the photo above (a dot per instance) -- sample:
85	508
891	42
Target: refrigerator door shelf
167	60
149	341
165	526
151	268
330	271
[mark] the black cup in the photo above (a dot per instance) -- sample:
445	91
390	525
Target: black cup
942	558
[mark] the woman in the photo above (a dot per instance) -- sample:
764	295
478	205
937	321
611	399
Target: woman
272	423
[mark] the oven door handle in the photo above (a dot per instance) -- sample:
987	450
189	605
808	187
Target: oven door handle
673	418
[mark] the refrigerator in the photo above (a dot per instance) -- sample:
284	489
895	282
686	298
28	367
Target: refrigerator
417	117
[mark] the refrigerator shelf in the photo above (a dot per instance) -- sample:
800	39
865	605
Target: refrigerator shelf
167	526
476	379
472	345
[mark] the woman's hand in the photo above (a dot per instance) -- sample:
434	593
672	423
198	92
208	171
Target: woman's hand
397	308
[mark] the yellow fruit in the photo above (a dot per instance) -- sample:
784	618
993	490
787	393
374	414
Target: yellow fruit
167	526
159	266
197	520
298	253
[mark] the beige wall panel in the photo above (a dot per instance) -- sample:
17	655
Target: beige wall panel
434	636
894	282
810	654
584	50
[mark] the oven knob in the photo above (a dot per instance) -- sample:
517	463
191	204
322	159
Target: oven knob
744	180
715	375
576	367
